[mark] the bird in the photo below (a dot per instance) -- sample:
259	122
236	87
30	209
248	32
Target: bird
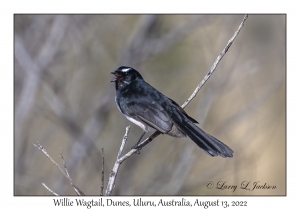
151	110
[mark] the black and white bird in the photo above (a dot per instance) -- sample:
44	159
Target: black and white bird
148	108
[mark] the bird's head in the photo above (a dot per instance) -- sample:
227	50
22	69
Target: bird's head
124	75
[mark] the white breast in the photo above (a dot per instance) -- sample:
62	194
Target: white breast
138	123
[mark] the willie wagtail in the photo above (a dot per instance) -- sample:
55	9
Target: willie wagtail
148	108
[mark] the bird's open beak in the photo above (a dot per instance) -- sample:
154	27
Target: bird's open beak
117	76
115	79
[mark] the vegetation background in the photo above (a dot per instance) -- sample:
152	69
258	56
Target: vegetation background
64	99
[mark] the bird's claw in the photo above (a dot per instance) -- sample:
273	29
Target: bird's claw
137	149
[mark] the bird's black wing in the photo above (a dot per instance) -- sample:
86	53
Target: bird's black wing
150	113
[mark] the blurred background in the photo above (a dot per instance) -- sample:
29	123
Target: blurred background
64	99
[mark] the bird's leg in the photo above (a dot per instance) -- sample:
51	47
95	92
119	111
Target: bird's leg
136	145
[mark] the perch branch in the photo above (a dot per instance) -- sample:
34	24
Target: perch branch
119	160
113	173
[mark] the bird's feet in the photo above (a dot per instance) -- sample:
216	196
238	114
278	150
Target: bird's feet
137	148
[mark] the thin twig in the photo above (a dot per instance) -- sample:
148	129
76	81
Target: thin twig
214	66
119	160
41	148
114	172
64	162
102	179
54	193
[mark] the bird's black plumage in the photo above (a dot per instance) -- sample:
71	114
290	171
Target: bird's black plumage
145	106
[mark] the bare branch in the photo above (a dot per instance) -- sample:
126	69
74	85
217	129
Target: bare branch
54	193
102	179
41	148
119	160
114	172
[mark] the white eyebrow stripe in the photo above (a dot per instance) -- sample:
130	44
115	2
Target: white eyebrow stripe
125	70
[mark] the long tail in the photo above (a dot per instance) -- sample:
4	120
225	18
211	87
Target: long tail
208	143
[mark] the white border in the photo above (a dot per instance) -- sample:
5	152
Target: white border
154	6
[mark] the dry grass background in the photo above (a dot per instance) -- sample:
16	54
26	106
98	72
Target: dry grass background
64	99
